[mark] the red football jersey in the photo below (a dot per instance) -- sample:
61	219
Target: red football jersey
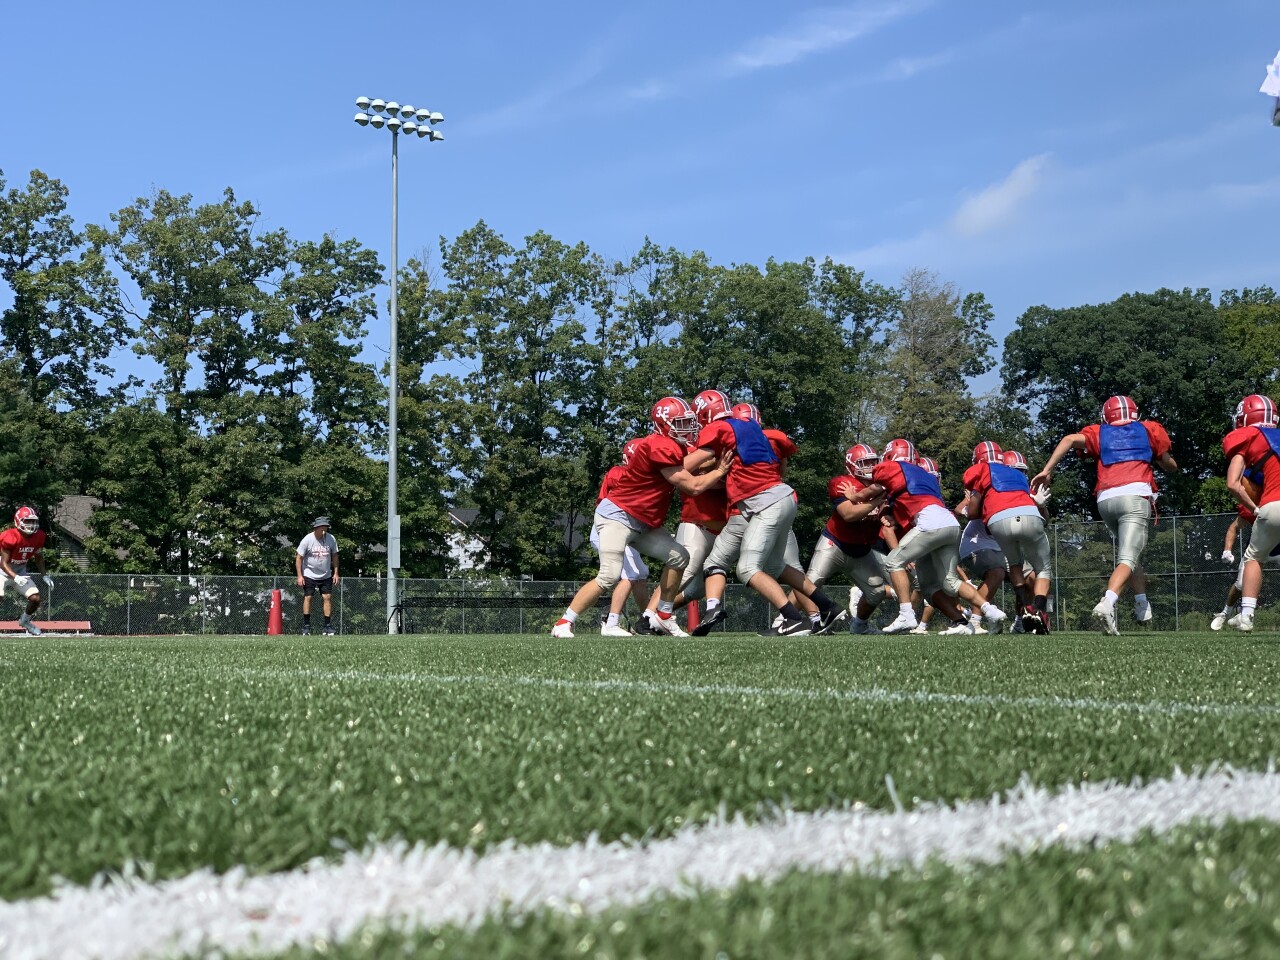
1127	471
641	489
708	509
864	532
978	479
1251	443
746	479
905	504
610	478
21	548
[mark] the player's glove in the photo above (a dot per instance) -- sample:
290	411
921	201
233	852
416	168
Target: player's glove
1228	556
48	579
22	581
1041	496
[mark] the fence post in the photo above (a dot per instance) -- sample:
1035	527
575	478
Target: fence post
1057	575
128	606
1176	619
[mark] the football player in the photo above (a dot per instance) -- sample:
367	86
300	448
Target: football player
21	545
1125	449
849	541
1253	446
931	540
766	507
635	572
1000	496
637	505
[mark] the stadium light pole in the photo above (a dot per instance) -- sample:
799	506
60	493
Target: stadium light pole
398	119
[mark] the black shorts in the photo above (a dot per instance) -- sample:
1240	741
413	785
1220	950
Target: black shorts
310	586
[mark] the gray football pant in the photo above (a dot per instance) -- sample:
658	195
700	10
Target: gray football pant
866	571
1024	540
936	554
1128	519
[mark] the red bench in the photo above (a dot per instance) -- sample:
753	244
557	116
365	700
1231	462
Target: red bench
49	626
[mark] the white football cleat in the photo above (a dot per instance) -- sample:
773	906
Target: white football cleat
1104	617
994	620
1219	621
667	626
903	623
613	630
920	629
976	622
1244	622
24	621
1142	612
963	628
563	631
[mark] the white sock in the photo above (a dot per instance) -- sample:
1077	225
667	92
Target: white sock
1110	598
712	603
815	617
907	610
989	608
612	621
570	616
1247	605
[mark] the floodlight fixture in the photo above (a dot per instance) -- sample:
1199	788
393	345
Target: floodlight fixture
408	119
437	136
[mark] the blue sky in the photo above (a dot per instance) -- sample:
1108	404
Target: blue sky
1057	153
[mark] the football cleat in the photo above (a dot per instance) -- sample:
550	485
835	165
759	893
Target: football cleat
1043	628
710	622
1244	622
663	626
902	624
306	631
831	619
613	630
975	621
1028	620
1142	612
796	628
961	628
994	619
330	632
24	621
861	627
1019	626
563	630
920	630
1104	618
1219	621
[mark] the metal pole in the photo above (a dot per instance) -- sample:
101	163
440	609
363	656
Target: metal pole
393	438
1057	575
1176	620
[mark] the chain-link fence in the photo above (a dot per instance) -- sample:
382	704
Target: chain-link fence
1187	584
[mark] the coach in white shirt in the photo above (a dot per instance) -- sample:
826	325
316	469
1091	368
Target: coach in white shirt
316	564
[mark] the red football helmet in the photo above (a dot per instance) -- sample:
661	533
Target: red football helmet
628	449
746	411
860	460
711	405
899	450
1118	411
988	451
1256	410
1012	458
673	418
929	465
27	520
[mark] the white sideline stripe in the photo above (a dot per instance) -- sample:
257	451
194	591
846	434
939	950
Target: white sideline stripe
1171	708
417	886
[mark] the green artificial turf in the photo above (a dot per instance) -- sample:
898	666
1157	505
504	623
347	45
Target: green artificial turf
182	753
1197	892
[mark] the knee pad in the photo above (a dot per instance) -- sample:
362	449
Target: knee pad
715	571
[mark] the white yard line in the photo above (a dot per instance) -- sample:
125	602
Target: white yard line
1173	708
419	886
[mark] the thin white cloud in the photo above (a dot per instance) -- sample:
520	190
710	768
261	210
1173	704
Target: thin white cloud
817	32
998	205
550	95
